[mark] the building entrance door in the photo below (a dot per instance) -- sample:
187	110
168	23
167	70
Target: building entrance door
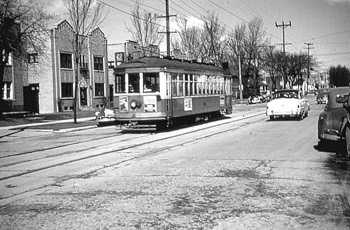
31	98
83	96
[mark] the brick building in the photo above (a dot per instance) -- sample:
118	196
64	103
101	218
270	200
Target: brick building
46	83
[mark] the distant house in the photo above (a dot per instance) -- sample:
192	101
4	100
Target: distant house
45	83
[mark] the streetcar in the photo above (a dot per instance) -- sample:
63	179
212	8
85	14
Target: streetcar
156	92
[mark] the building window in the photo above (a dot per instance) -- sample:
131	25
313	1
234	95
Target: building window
99	89
6	88
67	89
83	62
134	83
66	60
120	84
33	58
98	63
110	64
150	82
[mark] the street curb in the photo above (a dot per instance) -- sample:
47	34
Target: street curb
44	123
74	129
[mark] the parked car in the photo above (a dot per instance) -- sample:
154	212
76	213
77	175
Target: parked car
322	96
332	121
104	117
287	103
254	99
345	100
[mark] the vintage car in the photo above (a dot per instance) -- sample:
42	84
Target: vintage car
254	99
332	120
322	96
104	117
287	103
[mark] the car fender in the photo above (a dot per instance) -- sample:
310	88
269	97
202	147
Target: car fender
344	124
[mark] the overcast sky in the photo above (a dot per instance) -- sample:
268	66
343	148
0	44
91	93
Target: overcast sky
325	23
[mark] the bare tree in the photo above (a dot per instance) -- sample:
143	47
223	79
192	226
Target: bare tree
190	40
235	46
23	26
270	65
144	27
246	42
213	40
84	16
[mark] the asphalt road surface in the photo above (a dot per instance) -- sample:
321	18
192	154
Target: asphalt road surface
237	173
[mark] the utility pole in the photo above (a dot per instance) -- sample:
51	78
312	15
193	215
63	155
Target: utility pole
168	32
283	25
76	64
240	76
308	64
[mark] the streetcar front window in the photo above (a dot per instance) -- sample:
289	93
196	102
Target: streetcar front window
134	83
119	84
150	82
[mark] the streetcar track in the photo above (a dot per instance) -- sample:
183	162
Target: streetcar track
58	146
68	152
133	146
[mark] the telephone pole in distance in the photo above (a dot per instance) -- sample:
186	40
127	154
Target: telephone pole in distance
309	44
283	25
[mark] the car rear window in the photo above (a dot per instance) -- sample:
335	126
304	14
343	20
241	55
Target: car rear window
332	96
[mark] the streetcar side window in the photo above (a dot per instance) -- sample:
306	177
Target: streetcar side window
180	84
134	83
186	84
119	83
174	84
191	84
195	85
150	82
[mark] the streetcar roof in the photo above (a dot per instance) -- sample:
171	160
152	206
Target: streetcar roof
156	62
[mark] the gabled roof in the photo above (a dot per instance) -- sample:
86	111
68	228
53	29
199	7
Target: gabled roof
98	30
156	62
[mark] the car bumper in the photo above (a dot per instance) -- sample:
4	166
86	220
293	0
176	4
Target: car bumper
283	113
329	134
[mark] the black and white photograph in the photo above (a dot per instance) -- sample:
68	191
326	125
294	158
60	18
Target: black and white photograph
175	114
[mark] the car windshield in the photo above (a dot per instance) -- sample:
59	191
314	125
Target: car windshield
286	94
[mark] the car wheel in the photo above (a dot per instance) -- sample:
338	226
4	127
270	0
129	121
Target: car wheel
300	116
322	142
347	141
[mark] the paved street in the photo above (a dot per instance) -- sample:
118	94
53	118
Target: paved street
244	172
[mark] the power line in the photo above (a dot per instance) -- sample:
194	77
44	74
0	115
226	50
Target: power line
228	11
125	12
331	34
336	53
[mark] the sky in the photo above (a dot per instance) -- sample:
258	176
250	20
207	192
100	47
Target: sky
324	23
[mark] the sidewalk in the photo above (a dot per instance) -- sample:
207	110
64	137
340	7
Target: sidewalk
60	123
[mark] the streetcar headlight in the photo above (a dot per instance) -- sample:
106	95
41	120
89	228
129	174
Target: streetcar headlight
133	104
